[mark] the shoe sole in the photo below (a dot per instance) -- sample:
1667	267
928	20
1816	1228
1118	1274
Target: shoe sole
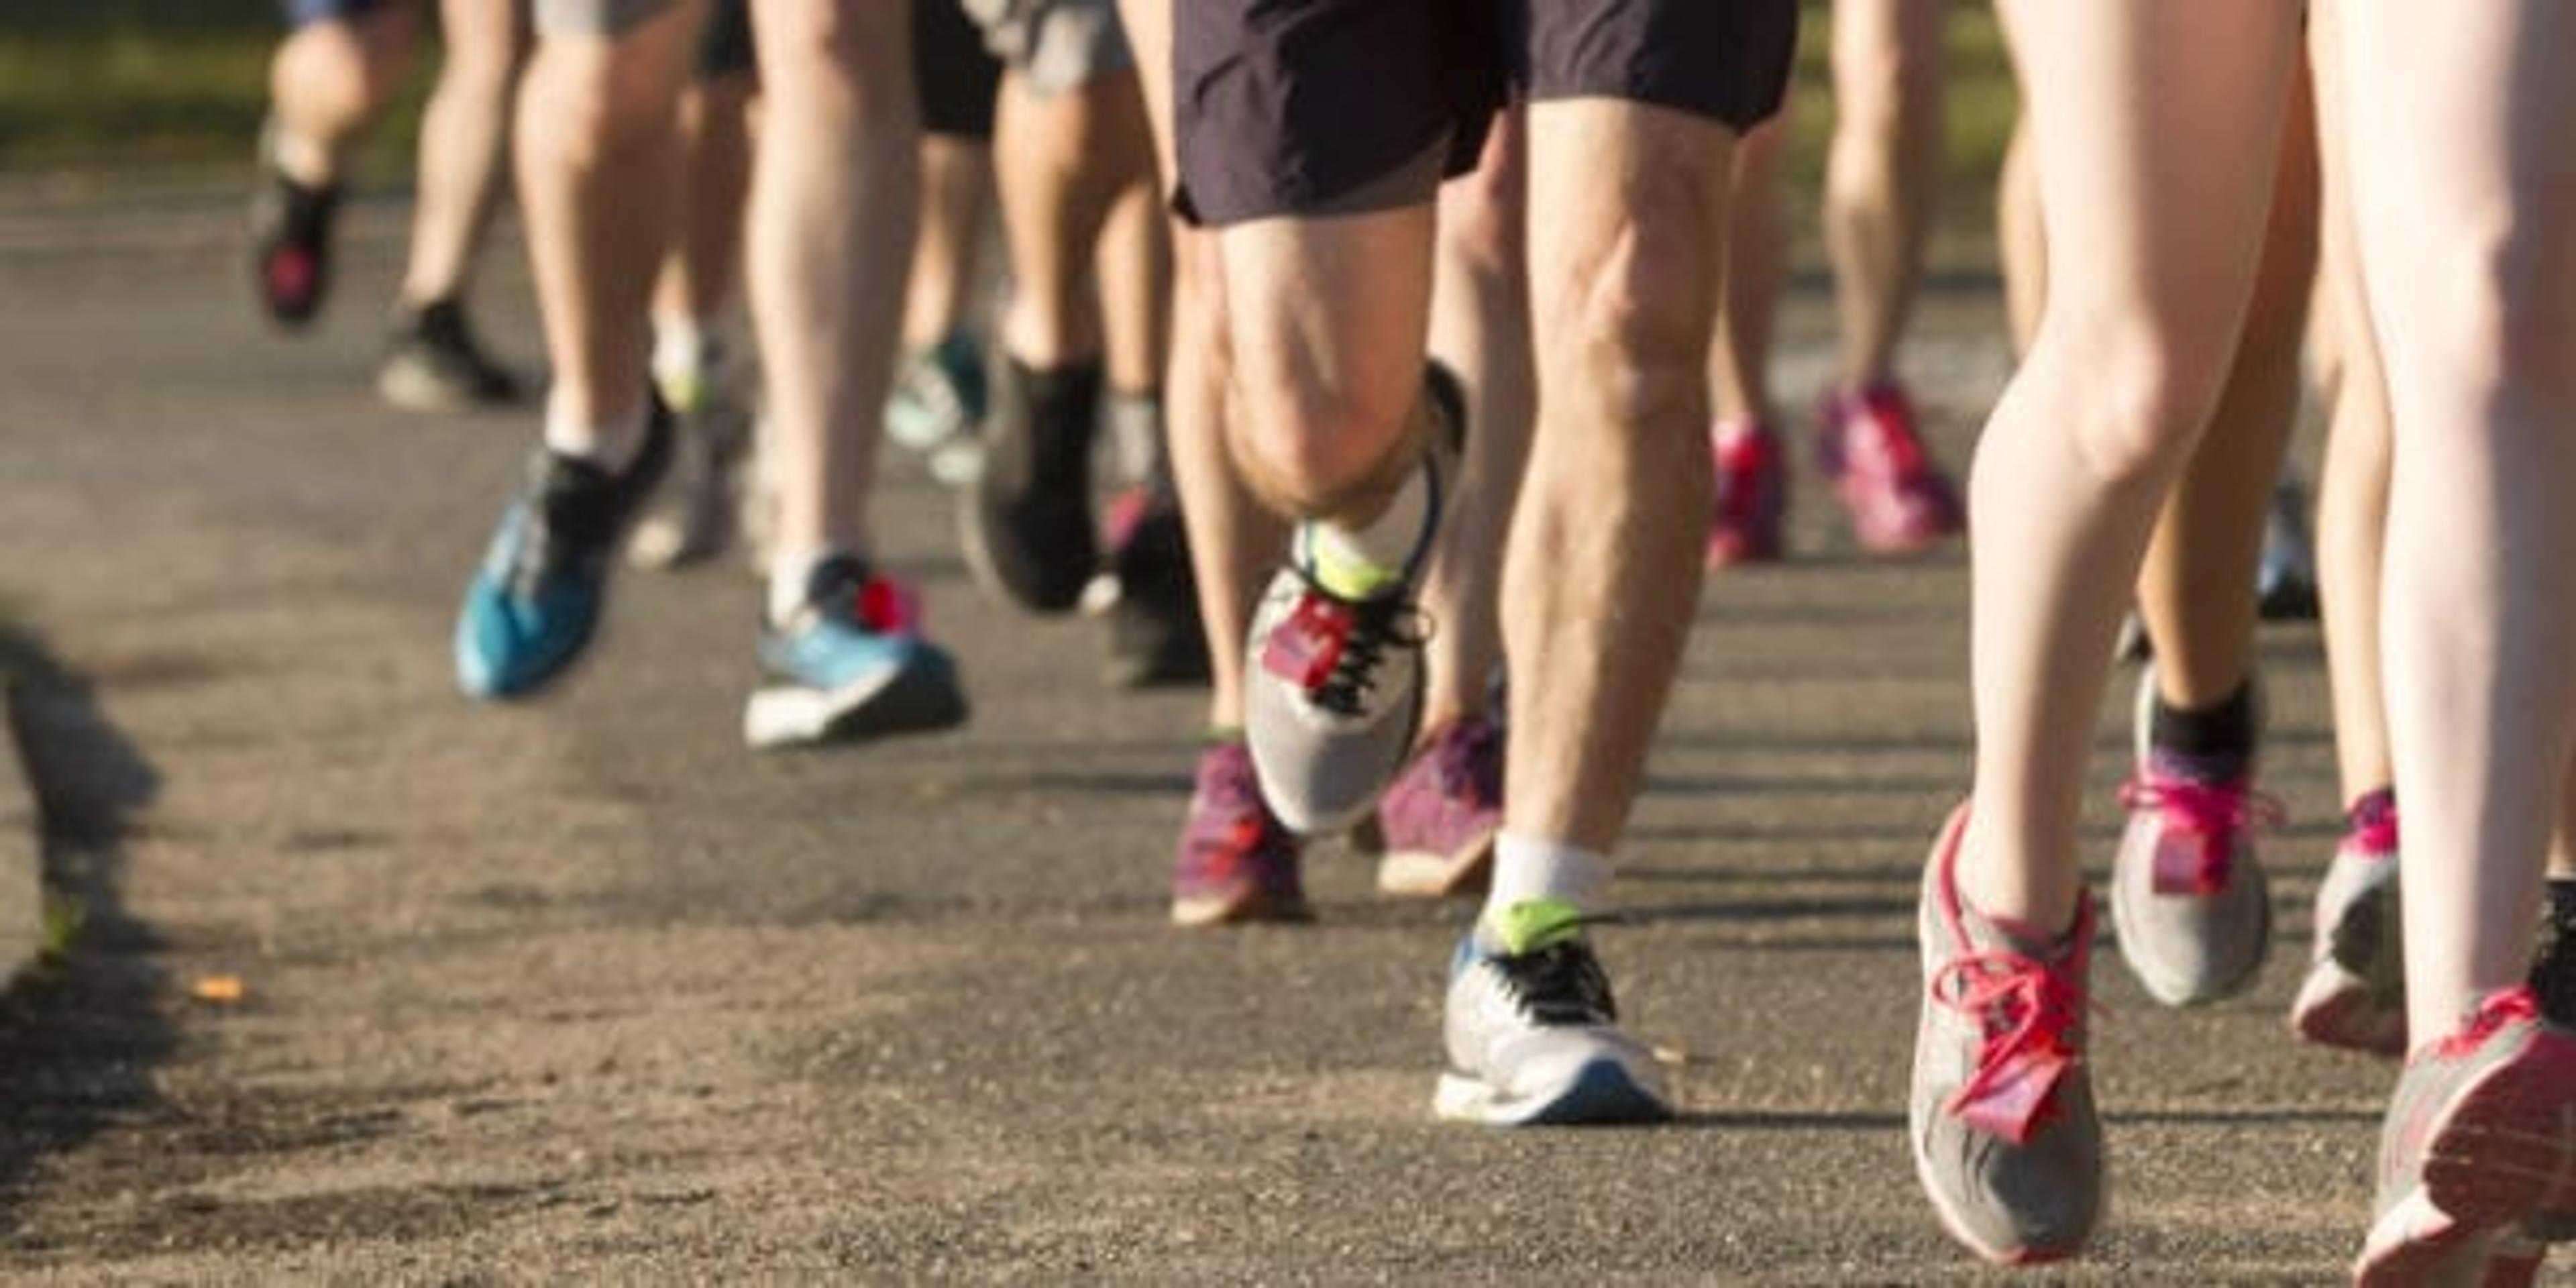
1604	1093
1240	909
2502	1149
1430	874
788	716
2336	1008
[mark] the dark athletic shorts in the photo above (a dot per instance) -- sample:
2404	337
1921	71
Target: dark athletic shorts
956	76
726	49
305	12
1321	107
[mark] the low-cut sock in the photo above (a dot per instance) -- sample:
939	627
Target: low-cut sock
791	578
1527	868
2214	743
610	445
2562	902
1366	560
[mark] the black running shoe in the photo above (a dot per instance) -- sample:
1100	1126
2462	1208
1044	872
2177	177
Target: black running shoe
1154	632
1027	522
433	363
290	242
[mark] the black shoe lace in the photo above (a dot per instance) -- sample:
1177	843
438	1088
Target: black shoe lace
1561	984
1375	627
576	509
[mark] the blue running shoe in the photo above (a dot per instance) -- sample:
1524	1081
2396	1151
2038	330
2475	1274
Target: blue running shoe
535	603
1533	1033
851	665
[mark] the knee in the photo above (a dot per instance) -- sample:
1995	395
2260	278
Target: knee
848	54
1308	448
591	103
2143	400
1626	330
2489	319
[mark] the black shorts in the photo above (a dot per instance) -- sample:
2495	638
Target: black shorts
1319	107
726	49
956	76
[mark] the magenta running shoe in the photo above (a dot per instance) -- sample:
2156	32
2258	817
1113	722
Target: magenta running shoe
1899	499
1752	495
1438	821
1237	862
2354	996
2480	1137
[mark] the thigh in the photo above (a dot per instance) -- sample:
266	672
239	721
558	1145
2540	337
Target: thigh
2157	128
1726	60
1328	107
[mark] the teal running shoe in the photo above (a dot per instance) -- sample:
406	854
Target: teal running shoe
851	665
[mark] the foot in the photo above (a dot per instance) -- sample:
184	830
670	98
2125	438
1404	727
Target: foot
849	665
2354	996
1237	863
433	363
701	510
1153	598
2286	586
290	240
938	406
535	603
1437	822
2006	1141
2189	901
1752	495
1533	1032
1027	521
2480	1136
1898	498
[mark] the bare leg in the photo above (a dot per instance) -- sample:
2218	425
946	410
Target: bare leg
2017	231
1480	324
596	170
2196	588
1882	172
464	136
328	80
705	263
2129	98
956	187
1628	214
2465	202
835	194
1063	160
1757	269
1135	282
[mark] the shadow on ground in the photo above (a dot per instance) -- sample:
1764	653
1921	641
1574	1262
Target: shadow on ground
81	1035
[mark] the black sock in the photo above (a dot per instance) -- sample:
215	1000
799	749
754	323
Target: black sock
2562	901
2220	736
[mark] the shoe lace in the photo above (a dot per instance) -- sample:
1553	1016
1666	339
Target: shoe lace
1333	647
569	511
2213	813
2495	1011
848	592
2027	1010
1559	983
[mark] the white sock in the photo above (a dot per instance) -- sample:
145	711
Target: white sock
682	346
1526	868
791	572
611	445
1362	561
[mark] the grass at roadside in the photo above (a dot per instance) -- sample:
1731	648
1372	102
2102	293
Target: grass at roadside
142	83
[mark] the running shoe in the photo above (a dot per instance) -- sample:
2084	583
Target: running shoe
2286	585
1867	444
701	508
1752	495
939	396
1155	637
851	664
2189	902
1237	863
1437	822
2355	994
2480	1136
535	603
2006	1140
434	363
1027	521
1533	1032
290	240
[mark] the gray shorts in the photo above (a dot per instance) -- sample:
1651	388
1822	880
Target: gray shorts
593	17
1058	44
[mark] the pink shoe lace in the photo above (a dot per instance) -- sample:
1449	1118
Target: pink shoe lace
2027	1008
2496	1011
2210	815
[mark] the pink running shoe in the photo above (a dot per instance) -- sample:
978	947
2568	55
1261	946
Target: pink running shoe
1752	495
1899	499
1438	822
2481	1134
2355	994
1237	862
